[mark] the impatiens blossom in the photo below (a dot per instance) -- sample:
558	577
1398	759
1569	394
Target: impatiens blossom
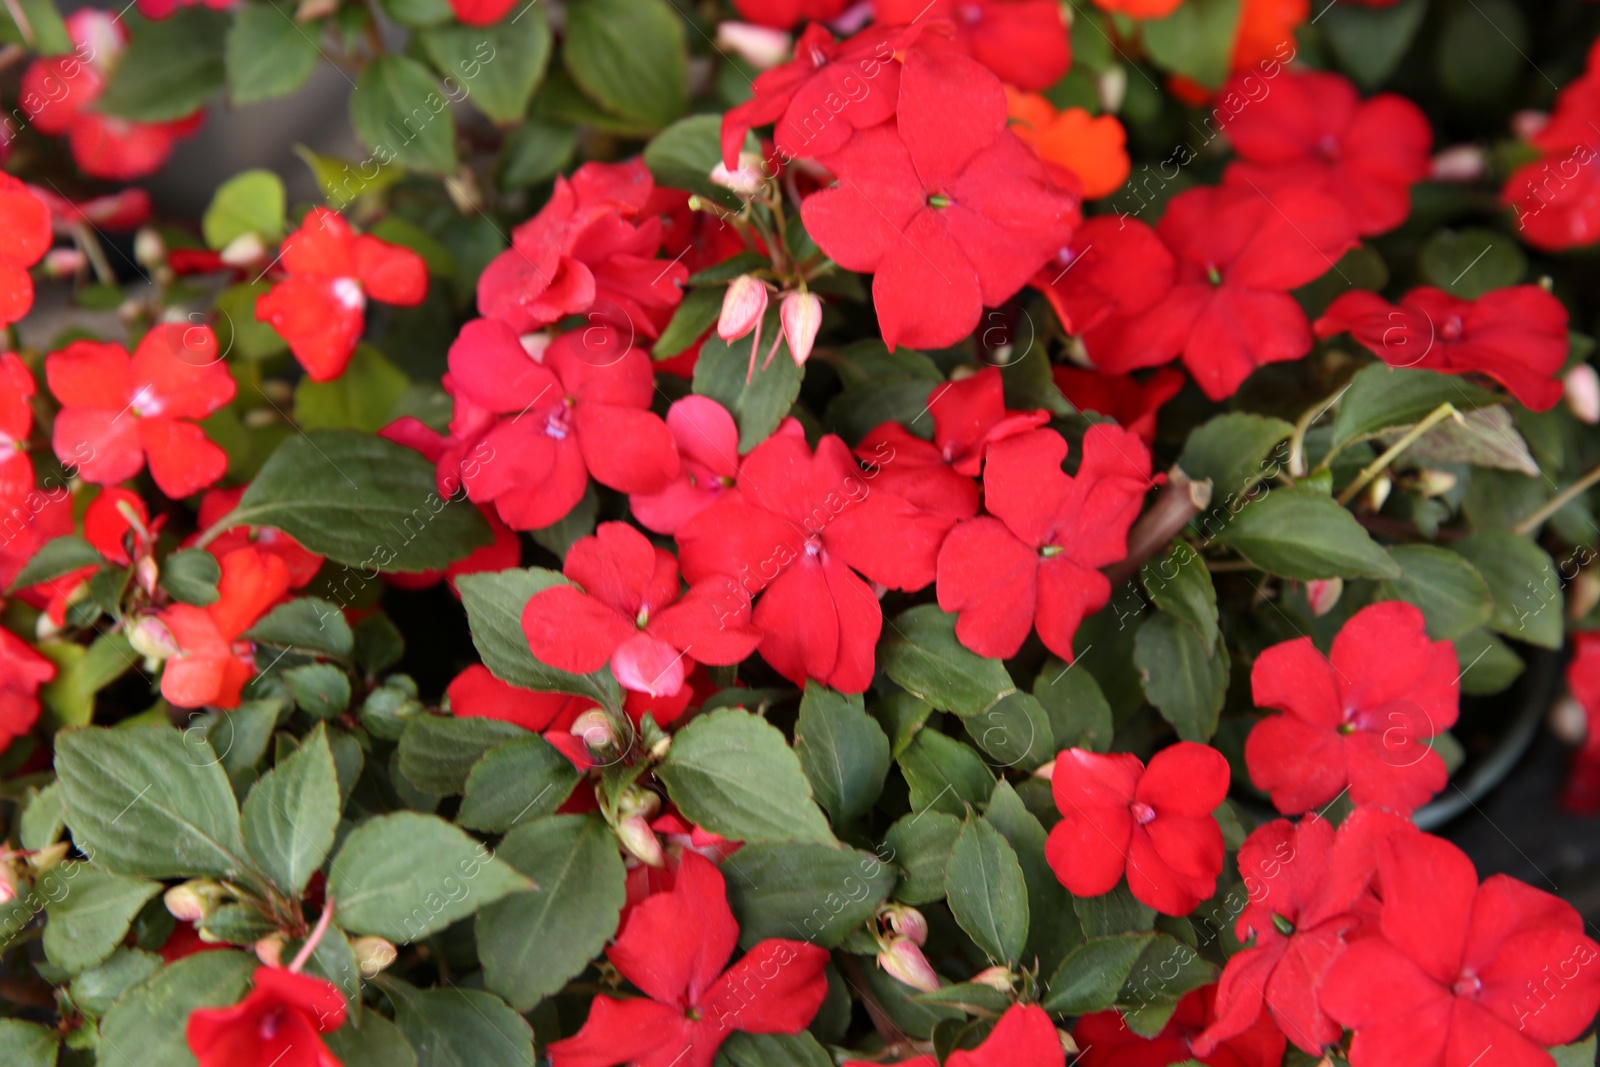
1312	130
1153	824
24	239
279	1023
1110	266
118	412
675	947
1022	41
1359	719
1517	335
798	528
1092	147
1107	1041
1556	197
535	418
320	307
22	672
1131	402
1034	560
968	415
946	208
1238	252
58	94
300	563
211	665
16	422
1463	972
708	448
627	610
582	253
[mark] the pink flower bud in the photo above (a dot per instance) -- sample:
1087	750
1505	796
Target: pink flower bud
905	962
269	950
801	314
756	45
639	841
1459	163
1583	393
742	307
1525	124
996	977
192	901
151	639
64	262
746	181
1322	594
907	922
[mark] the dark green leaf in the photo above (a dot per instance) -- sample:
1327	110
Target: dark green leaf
1371	41
1116	912
1179	583
1451	593
516	780
90	919
535	151
437	753
1300	533
1053	927
1014	731
682	157
843	751
630	55
55	558
1382	398
944	774
1234	451
460	1027
1487	663
1523	582
191	576
1091	976
921	653
1470	263
494	604
1079	714
95	990
805	892
1196	40
775	1050
321	690
761	403
987	894
379	1043
695	315
1185	678
146	1026
268	54
400	113
290	816
1482	48
497	66
1581	1054
308	624
920	846
362	398
170	68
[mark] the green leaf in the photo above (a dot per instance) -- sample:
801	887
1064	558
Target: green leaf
1180	584
360	500
1116	912
559	537
56	557
1078	712
1185	678
1369	41
170	68
1581	1054
405	876
775	1050
525	778
251	202
379	644
236	924
239	736
67	700
1487	663
109	658
437	753
149	800
805	892
1481	50
987	894
920	846
460	1027
494	604
630	55
267	53
843	751
146	1026
321	690
1196	40
1150	983
1300	533
696	314
48	36
1451	593
532	943
399	112
90	920
362	398
683	155
238	330
497	66
418	13
43	818
291	815
1053	927
534	152
1523	582
1484	437
379	1043
759	405
1233	451
1091	976
732	773
943	773
95	990
1014	731
191	576
1469	263
922	655
309	624
1383	398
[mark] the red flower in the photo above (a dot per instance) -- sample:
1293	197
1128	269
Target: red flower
211	665
626	610
1462	968
580	253
937	476
1357	720
1034	559
1024	1037
1307	891
798	527
1023	41
1313	130
481	12
1107	1042
118	411
300	563
674	947
16	423
534	419
783	14
708	450
945	206
24	239
1132	403
58	95
1581	791
320	308
475	693
1517	336
1111	266
276	1025
1556	197
1238	253
22	672
1152	823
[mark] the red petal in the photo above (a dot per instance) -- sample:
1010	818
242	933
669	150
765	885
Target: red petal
1067	593
91	375
1024	1037
475	693
1089	852
1185	779
625	448
103	447
926	291
1024	485
864	217
1300	764
489	364
775	989
1428	889
991	579
183	460
951	108
572	631
323	246
1293	676
616	565
178	372
675	944
320	328
390	274
712	622
622	1031
252	581
1239	330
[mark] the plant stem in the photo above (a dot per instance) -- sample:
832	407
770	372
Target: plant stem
1180	500
1377	466
1556	503
1297	441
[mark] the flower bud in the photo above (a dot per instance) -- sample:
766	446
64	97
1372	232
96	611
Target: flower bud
1459	163
1378	492
1568	721
243	250
1113	88
904	961
907	922
1528	122
742	307
64	262
149	250
1583	393
637	801
801	314
373	955
269	950
193	901
996	977
1322	594
1585	594
746	180
639	841
1046	770
151	639
10	885
756	45
49	858
145	575
1435	483
594	726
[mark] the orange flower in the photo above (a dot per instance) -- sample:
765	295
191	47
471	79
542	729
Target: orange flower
1090	147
